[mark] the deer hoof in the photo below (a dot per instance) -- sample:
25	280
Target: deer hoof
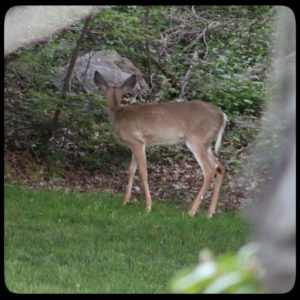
192	213
210	215
148	209
126	199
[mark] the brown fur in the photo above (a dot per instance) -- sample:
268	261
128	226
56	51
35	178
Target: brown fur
196	123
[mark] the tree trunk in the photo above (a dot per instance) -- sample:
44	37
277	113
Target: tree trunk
67	79
188	74
146	22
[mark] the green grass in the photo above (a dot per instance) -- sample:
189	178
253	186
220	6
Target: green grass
72	242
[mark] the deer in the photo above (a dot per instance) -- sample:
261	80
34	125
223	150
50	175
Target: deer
197	123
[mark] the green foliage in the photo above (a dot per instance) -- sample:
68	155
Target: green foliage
42	61
79	137
122	29
237	39
59	242
228	273
223	78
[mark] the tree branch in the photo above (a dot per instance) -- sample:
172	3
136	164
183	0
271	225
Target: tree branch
187	75
167	72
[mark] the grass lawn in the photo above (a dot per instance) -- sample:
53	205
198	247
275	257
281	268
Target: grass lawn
72	242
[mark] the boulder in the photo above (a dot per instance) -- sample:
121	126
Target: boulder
113	67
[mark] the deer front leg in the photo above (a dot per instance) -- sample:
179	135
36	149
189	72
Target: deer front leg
132	170
139	153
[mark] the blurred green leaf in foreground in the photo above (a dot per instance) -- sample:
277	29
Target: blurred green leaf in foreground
228	273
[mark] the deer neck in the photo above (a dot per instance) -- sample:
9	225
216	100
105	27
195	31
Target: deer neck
114	97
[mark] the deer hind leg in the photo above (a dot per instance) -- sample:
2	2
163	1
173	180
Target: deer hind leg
138	151
208	169
132	170
219	179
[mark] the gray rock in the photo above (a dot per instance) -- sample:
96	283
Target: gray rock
113	67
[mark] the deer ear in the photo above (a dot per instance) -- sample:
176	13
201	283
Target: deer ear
129	83
100	81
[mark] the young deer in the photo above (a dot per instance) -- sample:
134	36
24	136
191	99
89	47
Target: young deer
196	123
